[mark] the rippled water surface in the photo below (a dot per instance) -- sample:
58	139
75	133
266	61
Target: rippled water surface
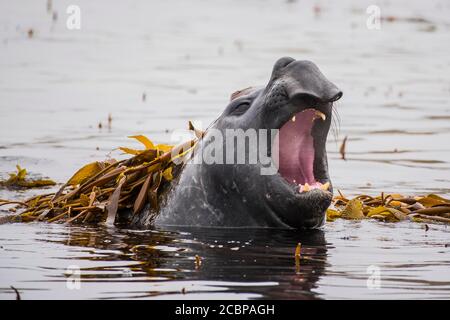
187	58
116	263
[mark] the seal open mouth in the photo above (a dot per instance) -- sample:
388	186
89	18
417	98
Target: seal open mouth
297	150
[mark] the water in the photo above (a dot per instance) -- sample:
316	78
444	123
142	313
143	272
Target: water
235	263
188	58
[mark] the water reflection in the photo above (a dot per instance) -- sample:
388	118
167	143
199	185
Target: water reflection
235	263
243	261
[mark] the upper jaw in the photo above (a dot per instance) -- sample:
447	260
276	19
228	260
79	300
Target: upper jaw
279	116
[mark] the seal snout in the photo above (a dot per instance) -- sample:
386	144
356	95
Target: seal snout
303	78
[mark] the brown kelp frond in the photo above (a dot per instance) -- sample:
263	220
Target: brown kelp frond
20	180
391	208
342	148
101	191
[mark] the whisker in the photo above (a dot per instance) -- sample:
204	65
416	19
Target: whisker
336	123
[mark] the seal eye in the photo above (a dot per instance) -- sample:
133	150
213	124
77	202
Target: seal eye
241	108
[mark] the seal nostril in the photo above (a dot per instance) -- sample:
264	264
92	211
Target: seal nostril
337	96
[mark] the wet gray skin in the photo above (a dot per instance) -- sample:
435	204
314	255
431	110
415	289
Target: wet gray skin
237	195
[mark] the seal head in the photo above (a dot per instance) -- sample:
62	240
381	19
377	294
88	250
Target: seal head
295	108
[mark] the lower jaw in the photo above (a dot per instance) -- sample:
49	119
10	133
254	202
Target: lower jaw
301	210
314	185
307	223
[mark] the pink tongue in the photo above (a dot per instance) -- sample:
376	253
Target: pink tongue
297	149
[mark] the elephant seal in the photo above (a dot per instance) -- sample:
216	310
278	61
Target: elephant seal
296	107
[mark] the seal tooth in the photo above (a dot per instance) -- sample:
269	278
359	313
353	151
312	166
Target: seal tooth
320	115
306	187
325	186
293	119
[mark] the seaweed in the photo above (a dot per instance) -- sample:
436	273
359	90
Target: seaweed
431	208
19	180
102	190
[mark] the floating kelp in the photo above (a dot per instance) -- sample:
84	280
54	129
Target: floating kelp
391	208
98	191
19	179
